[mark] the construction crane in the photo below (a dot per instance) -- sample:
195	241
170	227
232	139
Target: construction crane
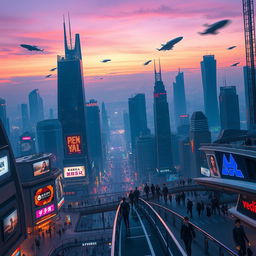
249	34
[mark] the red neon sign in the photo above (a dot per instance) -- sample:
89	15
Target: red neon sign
26	138
91	104
250	206
183	116
156	95
74	144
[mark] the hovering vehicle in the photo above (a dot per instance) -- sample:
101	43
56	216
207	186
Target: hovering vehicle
231	47
31	47
53	69
105	60
213	29
169	45
147	62
235	64
48	76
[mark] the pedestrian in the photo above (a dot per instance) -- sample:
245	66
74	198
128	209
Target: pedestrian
125	210
202	207
208	210
183	197
131	198
146	190
153	189
158	192
165	193
240	238
187	234
199	208
136	196
189	208
170	198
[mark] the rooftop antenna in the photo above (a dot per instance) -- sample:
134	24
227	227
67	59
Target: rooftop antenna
69	31
65	35
160	71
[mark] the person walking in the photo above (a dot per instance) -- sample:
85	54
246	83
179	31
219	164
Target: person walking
187	234
170	198
199	208
153	189
146	190
208	210
136	196
189	208
165	193
125	210
131	198
240	238
158	192
202	207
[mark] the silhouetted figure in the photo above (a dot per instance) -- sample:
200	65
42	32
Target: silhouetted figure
187	234
240	238
183	197
165	193
208	210
189	207
202	207
125	210
136	196
146	190
131	198
153	190
199	208
158	192
170	198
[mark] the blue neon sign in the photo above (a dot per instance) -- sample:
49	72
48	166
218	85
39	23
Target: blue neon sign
230	167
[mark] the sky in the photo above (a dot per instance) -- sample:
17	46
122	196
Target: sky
126	31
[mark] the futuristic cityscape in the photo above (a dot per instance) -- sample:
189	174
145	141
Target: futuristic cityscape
127	128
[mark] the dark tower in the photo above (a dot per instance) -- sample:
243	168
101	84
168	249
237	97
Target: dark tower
25	118
162	125
71	112
229	108
3	115
250	49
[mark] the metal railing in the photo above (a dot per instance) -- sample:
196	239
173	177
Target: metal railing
210	246
169	243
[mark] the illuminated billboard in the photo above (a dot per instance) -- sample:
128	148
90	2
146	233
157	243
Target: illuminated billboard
4	168
205	172
213	165
41	167
247	206
44	195
59	191
73	144
10	223
45	211
74	171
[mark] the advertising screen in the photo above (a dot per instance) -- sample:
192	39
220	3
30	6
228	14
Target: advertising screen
17	252
213	166
205	172
44	195
41	167
45	211
247	206
74	171
73	144
59	191
10	223
4	168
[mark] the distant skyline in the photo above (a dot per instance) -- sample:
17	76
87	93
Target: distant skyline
128	32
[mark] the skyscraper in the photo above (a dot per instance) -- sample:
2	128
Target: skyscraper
199	133
3	115
71	113
138	117
35	107
25	118
179	98
127	131
229	108
164	161
94	135
49	138
105	132
209	78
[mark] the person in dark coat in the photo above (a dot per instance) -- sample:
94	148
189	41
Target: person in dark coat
187	234
131	198
240	238
125	210
153	189
189	207
146	190
136	196
165	193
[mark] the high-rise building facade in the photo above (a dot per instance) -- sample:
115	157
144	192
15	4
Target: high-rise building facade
25	118
36	107
138	117
199	133
209	79
164	161
50	140
127	131
94	136
179	98
3	115
71	113
229	108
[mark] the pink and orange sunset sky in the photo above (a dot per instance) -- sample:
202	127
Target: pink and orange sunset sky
126	31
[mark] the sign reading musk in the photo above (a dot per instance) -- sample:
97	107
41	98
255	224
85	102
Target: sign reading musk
74	144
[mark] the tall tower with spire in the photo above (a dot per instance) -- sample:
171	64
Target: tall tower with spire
71	113
162	125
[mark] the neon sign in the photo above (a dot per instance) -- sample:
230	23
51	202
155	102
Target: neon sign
75	171
44	195
45	211
249	206
229	168
74	144
157	95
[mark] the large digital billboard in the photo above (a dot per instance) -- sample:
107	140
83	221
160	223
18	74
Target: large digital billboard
247	206
45	211
59	191
213	166
73	144
41	167
74	171
10	223
4	167
44	195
